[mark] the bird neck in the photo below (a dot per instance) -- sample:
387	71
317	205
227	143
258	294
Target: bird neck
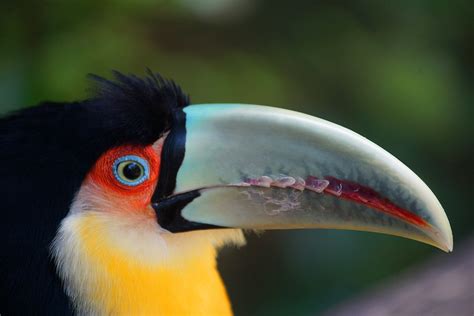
108	268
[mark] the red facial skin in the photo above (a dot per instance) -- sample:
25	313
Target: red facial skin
135	198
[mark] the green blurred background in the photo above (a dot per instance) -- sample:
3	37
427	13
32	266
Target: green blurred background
400	73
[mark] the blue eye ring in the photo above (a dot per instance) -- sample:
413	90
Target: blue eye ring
122	162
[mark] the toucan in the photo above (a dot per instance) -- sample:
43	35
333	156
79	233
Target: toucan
118	204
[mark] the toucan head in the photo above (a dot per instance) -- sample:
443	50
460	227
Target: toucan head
207	166
155	178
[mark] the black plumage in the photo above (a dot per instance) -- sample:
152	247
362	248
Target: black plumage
45	153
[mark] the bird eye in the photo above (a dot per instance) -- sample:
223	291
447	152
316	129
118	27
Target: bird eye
131	170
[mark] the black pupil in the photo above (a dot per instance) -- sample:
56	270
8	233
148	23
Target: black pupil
132	171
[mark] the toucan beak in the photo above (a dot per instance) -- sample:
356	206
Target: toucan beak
257	167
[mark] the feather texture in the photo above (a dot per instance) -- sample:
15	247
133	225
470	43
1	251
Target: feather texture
46	152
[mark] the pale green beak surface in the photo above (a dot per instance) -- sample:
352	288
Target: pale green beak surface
257	167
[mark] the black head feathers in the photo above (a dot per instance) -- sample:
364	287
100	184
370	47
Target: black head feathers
127	110
142	106
67	138
46	151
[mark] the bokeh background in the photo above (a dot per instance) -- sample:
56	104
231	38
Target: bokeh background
400	73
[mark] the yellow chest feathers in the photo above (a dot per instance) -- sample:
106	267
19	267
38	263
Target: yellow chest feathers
112	265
